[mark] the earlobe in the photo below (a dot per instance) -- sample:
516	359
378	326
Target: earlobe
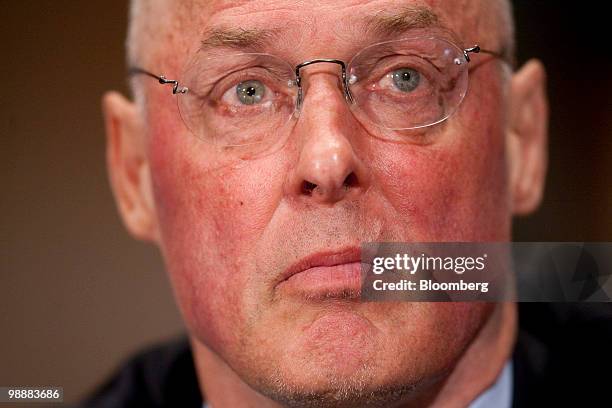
527	137
128	166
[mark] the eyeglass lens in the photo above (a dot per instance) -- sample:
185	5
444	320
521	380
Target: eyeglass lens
244	101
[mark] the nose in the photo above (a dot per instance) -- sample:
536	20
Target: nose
328	168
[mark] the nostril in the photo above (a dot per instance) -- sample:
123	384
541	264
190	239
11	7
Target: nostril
308	187
350	181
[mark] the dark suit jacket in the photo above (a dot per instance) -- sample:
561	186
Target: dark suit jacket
563	358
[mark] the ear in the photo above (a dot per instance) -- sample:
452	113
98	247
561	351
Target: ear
128	167
527	137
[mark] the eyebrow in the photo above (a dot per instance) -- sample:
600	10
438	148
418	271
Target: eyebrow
238	38
387	25
380	25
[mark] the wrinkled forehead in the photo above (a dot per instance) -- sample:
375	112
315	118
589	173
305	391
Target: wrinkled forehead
348	20
218	10
318	28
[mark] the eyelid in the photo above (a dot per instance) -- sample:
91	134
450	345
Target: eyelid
378	70
231	93
229	82
389	85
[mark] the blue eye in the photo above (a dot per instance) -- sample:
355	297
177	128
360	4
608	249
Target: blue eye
406	79
250	92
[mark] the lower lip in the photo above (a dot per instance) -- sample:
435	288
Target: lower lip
325	282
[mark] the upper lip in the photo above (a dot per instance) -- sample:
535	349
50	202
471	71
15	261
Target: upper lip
323	258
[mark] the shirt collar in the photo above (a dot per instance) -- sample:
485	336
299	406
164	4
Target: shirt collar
499	394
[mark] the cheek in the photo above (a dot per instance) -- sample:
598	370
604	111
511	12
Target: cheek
210	219
453	189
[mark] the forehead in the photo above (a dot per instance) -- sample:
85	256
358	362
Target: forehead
219	8
294	24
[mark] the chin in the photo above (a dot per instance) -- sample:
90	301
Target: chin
330	383
369	355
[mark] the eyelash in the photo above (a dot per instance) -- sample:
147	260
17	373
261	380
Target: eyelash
229	82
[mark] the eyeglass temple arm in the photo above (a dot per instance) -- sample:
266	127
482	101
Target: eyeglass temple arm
476	50
176	88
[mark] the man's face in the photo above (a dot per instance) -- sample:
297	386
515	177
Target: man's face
231	233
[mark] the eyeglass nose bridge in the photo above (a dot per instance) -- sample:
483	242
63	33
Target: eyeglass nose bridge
298	79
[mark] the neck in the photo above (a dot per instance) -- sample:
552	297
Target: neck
220	385
476	370
483	361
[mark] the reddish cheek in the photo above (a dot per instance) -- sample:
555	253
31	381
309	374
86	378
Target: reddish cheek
194	201
449	191
454	188
197	216
419	186
210	220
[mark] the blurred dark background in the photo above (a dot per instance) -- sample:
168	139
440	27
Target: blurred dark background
573	40
77	294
